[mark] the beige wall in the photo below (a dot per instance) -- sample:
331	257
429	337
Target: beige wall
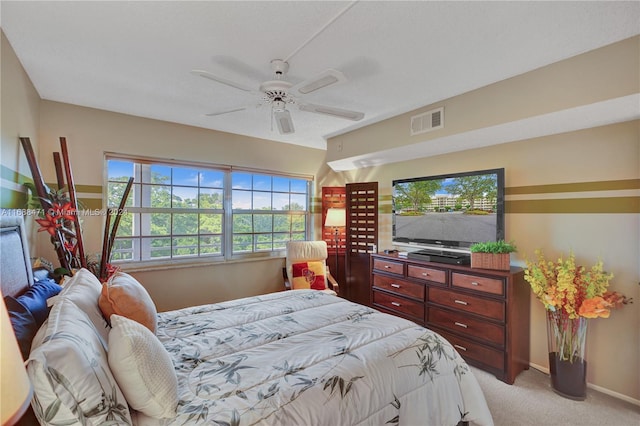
19	117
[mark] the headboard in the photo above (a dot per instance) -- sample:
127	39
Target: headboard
15	264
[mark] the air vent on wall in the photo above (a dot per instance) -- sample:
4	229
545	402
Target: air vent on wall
428	121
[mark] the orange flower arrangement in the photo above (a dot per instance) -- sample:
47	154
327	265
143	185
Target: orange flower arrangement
572	289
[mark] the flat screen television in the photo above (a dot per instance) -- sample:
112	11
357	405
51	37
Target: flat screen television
449	212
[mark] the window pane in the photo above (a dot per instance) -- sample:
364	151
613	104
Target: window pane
156	223
211	198
116	191
298	202
297	223
242	243
242	223
262	223
280	201
299	185
261	183
158	247
262	201
263	242
156	196
210	223
185	177
211	245
125	228
156	174
280	240
119	170
185	246
240	180
122	249
282	223
185	223
184	197
212	179
241	200
280	184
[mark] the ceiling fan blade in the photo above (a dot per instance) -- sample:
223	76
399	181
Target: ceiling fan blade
222	80
332	111
327	78
284	122
213	114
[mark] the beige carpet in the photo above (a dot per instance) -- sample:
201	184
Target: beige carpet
531	401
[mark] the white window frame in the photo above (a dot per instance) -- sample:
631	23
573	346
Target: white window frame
227	236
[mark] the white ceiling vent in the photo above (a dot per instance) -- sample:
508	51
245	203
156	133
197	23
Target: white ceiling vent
428	121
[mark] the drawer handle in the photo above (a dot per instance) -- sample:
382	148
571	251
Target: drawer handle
474	283
395	304
395	285
459	324
462	348
460	302
425	274
387	267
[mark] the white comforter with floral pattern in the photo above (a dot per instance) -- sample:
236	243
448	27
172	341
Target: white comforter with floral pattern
306	358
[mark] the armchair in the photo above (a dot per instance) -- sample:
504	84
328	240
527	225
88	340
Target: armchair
306	267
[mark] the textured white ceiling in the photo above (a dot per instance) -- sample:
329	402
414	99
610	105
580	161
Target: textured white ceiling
136	57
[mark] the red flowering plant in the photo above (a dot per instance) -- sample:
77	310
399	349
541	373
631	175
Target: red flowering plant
570	292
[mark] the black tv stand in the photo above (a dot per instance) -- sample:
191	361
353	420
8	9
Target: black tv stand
441	256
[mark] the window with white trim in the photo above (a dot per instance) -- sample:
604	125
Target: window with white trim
179	210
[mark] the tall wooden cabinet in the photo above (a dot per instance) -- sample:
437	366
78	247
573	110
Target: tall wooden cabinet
483	313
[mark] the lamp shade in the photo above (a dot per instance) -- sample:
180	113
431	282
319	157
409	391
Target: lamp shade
335	217
16	391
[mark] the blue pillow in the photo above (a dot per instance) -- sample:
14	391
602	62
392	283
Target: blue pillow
23	323
35	298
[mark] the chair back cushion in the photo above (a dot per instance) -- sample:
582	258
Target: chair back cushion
305	251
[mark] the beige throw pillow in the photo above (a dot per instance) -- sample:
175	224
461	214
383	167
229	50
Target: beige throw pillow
143	368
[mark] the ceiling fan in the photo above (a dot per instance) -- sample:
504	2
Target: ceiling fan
279	92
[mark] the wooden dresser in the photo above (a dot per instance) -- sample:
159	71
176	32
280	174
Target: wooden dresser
483	313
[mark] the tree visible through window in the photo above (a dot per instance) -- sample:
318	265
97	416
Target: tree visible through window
182	211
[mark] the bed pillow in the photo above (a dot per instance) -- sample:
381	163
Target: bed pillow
70	374
143	368
309	275
24	325
83	289
123	295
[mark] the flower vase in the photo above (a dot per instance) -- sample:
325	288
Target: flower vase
568	368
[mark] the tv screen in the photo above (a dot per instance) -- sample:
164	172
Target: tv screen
449	211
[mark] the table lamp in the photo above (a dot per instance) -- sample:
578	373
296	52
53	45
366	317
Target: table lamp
16	390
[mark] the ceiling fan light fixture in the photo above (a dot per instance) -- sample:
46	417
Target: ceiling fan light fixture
283	121
325	79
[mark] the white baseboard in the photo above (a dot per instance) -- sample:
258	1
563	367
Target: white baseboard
605	391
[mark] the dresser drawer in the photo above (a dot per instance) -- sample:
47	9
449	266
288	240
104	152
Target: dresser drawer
429	274
388	266
401	287
465	324
394	303
477	283
474	351
464	302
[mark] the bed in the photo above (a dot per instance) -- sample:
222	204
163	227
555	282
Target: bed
298	357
